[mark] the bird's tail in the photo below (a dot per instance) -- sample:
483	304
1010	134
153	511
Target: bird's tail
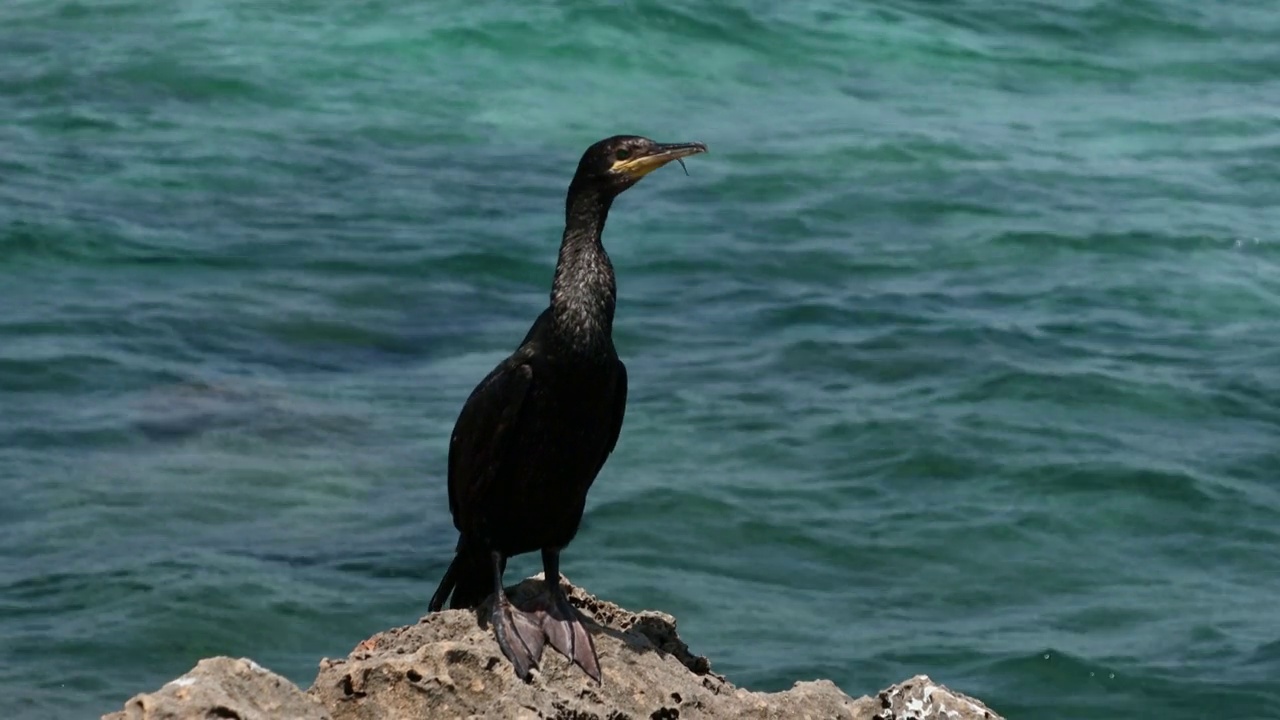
469	579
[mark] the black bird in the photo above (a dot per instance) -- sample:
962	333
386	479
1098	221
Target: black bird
535	432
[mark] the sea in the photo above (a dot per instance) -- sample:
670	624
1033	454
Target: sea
958	353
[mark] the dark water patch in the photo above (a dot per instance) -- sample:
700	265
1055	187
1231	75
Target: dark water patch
195	84
1096	688
1084	389
1135	244
79	439
321	335
1093	477
54	374
504	266
21	240
31	596
1092	686
905	356
375	564
181	411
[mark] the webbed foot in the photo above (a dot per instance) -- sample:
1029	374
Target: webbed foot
520	635
561	625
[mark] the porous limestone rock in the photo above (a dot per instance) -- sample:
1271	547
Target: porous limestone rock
224	688
448	665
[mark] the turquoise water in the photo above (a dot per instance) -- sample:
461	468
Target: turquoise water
958	354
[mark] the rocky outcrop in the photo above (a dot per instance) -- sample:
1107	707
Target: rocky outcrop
224	688
448	666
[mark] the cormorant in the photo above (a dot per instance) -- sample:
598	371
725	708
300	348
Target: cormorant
535	432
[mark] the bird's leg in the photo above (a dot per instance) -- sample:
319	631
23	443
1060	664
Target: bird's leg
561	621
519	634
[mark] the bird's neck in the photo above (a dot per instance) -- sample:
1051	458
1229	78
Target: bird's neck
584	292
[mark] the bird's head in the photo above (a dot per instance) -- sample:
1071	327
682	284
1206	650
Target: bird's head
616	163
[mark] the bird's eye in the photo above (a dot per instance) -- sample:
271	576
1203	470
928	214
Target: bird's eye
623	154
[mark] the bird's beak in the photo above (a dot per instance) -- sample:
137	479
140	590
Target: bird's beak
645	162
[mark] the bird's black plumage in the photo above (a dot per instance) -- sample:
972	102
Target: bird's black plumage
534	434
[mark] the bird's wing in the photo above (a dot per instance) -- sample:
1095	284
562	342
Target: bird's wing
482	433
619	411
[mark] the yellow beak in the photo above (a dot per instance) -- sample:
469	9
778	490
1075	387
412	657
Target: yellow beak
640	165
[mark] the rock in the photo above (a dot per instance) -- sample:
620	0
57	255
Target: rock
449	666
224	687
921	699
